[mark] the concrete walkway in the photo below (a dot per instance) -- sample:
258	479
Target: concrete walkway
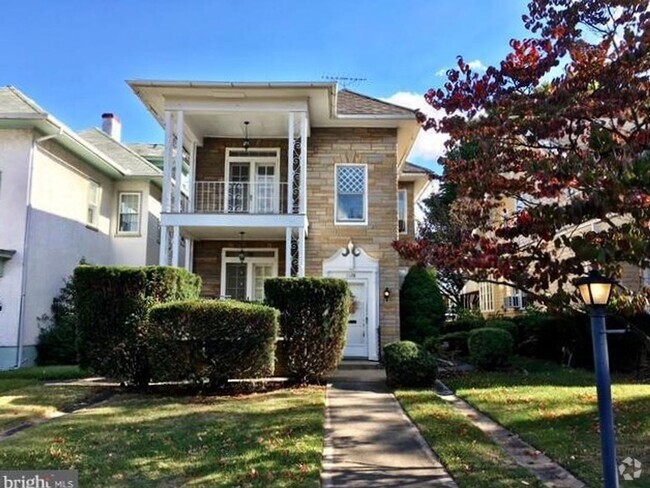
369	441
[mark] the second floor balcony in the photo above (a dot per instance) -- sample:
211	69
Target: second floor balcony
235	197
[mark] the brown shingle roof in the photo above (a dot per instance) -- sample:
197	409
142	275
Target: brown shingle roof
352	103
411	168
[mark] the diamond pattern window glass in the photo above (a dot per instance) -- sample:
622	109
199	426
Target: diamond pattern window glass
351	193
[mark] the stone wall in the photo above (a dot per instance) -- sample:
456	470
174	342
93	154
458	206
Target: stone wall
376	147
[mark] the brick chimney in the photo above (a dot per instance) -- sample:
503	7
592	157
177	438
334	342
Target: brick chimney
112	126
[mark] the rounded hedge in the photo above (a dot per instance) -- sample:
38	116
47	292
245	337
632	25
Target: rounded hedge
211	340
490	348
409	365
504	324
313	324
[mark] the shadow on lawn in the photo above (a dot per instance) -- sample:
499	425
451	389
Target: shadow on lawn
135	440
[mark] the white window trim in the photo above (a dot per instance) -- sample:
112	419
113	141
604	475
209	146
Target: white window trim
404	192
98	204
252	175
486	300
249	269
363	222
119	201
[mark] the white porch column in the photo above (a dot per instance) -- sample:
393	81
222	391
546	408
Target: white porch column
287	252
290	163
189	250
178	173
176	246
303	164
301	252
167	186
192	182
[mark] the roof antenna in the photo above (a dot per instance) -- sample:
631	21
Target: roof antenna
344	81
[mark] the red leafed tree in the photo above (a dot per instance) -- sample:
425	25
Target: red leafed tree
561	131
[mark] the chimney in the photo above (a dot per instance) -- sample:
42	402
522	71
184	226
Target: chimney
112	126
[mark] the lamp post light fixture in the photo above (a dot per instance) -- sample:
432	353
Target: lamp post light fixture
595	291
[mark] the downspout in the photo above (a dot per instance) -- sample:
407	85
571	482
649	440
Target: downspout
28	217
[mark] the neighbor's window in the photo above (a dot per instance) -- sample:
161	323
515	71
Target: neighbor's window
486	297
94	192
402	212
351	193
129	213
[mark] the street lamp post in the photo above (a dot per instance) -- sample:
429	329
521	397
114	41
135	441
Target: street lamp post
595	290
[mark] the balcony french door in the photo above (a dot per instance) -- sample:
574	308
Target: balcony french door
252	187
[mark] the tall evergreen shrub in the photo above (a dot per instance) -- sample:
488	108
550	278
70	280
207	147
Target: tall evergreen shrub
422	308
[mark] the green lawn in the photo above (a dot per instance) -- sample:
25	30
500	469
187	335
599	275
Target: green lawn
252	440
555	410
468	454
24	396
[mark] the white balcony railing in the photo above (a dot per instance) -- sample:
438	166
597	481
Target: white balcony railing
265	197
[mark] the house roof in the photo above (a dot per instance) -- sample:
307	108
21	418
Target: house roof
148	151
134	164
14	103
412	168
353	103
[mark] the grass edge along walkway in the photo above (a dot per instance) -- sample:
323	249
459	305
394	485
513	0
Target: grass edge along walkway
469	455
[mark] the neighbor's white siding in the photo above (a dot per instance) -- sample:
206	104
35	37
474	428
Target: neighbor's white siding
59	236
15	147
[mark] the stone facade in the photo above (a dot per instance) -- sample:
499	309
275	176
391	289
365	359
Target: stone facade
378	149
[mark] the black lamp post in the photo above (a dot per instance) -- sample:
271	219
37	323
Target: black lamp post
595	291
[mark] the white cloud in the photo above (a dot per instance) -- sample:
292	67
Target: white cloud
429	145
476	65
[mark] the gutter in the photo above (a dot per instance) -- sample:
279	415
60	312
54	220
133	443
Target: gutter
28	217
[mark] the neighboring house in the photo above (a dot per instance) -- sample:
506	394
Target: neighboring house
287	179
64	197
493	299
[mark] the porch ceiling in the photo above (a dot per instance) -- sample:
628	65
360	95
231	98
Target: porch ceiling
233	233
262	124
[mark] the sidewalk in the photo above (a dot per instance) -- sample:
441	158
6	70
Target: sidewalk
369	441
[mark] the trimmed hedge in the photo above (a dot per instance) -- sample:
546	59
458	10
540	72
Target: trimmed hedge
490	348
409	365
313	323
504	324
211	340
112	304
463	324
421	306
57	340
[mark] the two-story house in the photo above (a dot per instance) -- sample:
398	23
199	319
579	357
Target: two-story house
288	179
64	196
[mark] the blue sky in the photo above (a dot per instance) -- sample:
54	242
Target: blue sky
72	56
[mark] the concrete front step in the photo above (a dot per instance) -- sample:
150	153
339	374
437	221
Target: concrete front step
350	364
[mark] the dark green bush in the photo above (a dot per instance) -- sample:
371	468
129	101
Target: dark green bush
409	365
422	308
490	348
211	340
313	323
464	323
112	305
504	324
453	344
57	340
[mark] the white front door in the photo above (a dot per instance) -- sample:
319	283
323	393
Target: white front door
356	344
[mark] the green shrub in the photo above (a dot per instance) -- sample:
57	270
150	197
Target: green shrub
57	340
463	324
454	343
313	323
504	324
490	348
112	305
422	308
409	365
211	340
